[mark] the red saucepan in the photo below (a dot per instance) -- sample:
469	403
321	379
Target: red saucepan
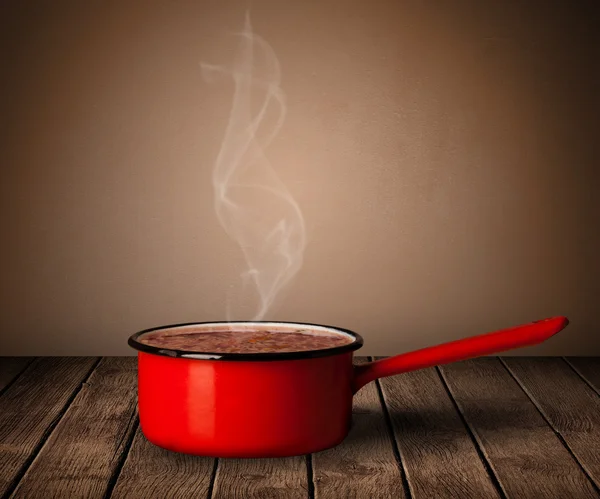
279	404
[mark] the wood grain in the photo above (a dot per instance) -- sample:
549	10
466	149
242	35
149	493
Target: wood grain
588	368
535	420
364	465
80	456
438	453
11	367
31	407
150	471
261	478
567	402
527	457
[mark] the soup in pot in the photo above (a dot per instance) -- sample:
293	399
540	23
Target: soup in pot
244	340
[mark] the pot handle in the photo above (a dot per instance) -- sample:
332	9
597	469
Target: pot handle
466	348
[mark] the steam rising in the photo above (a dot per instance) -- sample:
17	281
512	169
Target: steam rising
252	204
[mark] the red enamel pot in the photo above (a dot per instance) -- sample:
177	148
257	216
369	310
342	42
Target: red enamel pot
279	404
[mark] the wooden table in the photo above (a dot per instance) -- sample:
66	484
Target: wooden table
491	427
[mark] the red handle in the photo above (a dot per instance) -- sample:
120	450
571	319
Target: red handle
467	348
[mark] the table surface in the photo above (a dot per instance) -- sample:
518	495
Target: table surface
490	427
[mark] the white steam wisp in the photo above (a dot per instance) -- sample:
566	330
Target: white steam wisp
251	202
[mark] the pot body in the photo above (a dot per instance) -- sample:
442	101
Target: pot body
271	408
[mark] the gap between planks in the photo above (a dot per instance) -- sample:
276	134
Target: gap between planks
539	405
388	421
366	463
588	369
440	456
83	451
524	452
48	431
477	443
12	368
123	457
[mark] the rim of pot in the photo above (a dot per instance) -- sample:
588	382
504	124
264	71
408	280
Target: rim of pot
262	356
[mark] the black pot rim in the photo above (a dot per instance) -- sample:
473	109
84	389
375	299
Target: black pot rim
264	356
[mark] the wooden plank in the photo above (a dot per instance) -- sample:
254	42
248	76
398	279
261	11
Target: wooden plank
570	406
30	408
364	465
588	368
261	478
11	367
438	453
81	455
150	471
527	457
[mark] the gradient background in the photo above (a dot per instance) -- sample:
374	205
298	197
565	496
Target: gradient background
445	158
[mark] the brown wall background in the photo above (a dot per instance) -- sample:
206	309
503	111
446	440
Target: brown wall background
444	154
